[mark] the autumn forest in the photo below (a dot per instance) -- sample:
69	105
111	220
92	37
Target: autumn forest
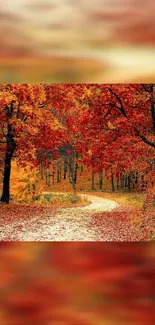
78	152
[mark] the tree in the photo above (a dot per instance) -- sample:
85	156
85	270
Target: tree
21	119
115	128
109	128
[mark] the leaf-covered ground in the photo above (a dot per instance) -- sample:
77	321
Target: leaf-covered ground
16	219
102	220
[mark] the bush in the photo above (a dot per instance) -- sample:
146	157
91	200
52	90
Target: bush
24	183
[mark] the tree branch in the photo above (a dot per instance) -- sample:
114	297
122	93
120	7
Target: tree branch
41	105
121	108
146	89
144	139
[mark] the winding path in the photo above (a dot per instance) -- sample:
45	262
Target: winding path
69	224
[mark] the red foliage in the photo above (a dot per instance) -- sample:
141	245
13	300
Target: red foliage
111	126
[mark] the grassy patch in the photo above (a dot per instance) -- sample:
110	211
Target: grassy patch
135	200
62	200
54	200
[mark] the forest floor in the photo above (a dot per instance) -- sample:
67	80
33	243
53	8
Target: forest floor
102	220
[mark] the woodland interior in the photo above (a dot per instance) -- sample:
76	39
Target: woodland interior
79	139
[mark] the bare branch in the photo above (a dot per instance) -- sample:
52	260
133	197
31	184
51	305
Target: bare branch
145	88
41	105
121	108
144	139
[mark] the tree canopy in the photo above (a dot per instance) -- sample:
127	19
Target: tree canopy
109	127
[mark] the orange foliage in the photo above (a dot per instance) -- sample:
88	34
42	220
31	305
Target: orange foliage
24	183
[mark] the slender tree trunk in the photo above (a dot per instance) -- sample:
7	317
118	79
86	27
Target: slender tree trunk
112	181
74	188
72	174
93	181
65	167
133	180
70	164
126	182
49	179
117	183
46	177
136	181
53	176
129	183
143	183
60	174
100	179
121	181
75	172
112	184
42	172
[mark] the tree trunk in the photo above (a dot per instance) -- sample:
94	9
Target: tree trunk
49	179
136	180
75	172
65	167
117	182
100	179
60	169
70	174
46	177
132	180
112	184
6	179
129	183
126	181
143	183
121	181
42	172
74	191
53	176
93	181
73	175
11	146
58	173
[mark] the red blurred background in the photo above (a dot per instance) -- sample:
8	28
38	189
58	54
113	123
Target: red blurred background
77	283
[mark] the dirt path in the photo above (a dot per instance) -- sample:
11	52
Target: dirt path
67	224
